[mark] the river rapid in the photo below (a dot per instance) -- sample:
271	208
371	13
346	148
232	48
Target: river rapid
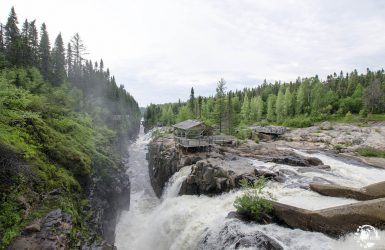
181	222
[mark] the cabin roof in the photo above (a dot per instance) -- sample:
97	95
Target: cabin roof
188	124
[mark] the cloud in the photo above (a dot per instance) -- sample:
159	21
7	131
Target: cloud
159	49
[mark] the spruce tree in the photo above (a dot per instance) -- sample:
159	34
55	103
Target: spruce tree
44	53
33	44
69	62
25	49
58	61
12	40
191	102
2	47
220	103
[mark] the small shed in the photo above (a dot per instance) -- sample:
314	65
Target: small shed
192	133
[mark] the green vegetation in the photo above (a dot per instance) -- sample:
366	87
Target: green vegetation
63	120
255	201
371	152
349	98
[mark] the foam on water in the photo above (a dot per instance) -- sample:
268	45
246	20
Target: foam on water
181	222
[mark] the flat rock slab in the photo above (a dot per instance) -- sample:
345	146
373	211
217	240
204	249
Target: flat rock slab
370	192
334	221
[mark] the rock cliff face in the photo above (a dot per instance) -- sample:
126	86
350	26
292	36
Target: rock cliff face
108	195
163	161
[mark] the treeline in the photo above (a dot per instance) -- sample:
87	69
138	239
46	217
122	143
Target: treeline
296	104
26	48
64	124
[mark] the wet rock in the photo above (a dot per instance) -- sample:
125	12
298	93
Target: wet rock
52	232
295	160
318	169
369	192
265	173
163	162
334	221
232	235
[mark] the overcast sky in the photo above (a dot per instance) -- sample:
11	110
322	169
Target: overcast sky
159	49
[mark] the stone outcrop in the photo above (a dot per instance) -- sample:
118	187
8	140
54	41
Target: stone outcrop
163	161
333	221
51	232
231	236
214	176
369	192
295	160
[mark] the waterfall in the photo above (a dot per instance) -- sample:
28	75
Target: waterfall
182	222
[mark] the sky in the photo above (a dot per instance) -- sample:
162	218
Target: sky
159	49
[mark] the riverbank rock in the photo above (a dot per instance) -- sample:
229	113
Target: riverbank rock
216	175
334	221
369	192
163	161
233	235
295	160
51	232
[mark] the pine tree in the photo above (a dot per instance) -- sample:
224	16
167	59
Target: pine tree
191	102
58	61
78	50
33	44
220	103
230	113
12	40
44	53
69	62
25	48
200	100
2	47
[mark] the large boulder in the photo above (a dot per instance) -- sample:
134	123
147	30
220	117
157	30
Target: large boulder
333	221
233	235
295	160
369	192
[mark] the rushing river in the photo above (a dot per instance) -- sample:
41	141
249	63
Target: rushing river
180	222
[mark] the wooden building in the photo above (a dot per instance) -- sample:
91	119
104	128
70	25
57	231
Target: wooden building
193	134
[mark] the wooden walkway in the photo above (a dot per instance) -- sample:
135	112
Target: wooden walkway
194	143
203	141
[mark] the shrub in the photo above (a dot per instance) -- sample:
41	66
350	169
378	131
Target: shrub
299	122
371	152
255	201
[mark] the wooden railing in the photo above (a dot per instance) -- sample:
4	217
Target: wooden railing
195	142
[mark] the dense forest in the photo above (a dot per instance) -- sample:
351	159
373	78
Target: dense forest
345	97
64	123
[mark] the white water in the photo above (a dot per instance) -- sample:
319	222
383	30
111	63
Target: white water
181	222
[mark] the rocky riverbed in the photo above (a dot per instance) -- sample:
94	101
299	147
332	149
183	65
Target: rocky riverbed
300	160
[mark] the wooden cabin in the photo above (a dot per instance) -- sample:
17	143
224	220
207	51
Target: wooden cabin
193	134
